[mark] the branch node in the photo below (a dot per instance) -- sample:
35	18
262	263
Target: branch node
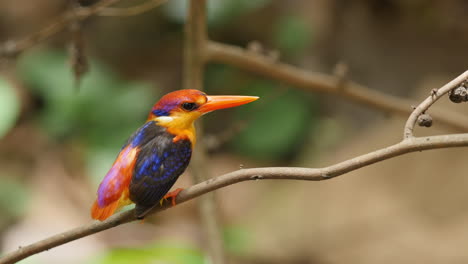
255	47
8	49
341	73
256	177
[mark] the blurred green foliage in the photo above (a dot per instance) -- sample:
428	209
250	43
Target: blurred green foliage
158	253
102	113
278	126
219	12
292	35
13	199
9	106
237	239
277	123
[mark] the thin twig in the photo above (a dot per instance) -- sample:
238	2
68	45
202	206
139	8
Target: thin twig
341	73
77	50
408	145
133	10
433	97
12	48
317	82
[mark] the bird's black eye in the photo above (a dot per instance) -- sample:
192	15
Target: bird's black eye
189	106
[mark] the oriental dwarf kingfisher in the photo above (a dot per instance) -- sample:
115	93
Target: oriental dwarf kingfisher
156	155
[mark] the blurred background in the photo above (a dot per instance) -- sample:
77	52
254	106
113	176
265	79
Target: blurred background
58	137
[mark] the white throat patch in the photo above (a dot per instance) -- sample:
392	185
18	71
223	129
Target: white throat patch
165	119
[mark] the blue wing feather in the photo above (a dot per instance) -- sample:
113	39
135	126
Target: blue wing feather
159	162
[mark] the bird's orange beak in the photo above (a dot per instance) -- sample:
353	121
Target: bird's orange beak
225	101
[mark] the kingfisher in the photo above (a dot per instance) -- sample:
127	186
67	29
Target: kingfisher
154	156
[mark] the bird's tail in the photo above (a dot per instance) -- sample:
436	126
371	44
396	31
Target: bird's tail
103	213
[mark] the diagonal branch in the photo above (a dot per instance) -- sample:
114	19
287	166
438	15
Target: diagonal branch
312	81
408	145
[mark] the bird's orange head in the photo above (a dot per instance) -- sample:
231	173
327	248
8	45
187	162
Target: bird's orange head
179	109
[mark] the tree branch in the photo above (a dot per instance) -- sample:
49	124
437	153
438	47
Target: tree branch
412	144
322	83
435	95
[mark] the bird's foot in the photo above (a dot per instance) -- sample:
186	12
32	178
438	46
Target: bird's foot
172	195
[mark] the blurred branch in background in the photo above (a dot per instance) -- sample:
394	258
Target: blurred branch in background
77	51
133	10
322	83
194	70
407	145
13	48
250	60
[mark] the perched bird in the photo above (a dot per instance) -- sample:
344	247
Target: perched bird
155	155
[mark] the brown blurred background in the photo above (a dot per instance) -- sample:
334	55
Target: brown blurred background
57	141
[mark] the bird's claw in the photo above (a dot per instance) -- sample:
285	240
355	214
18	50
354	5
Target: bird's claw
172	195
